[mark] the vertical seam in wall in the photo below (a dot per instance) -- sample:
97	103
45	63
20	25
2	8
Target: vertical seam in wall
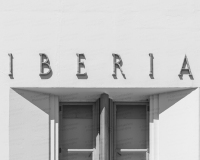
52	127
49	130
156	126
56	114
151	157
199	121
9	104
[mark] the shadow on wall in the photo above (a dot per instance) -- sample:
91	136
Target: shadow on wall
29	116
28	125
39	100
29	122
178	126
167	100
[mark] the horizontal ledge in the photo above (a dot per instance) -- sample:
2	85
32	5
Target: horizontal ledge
80	150
132	150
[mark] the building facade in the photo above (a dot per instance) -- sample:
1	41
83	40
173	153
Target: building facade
106	80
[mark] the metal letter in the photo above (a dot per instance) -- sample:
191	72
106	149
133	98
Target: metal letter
185	70
11	64
79	64
151	65
42	63
117	64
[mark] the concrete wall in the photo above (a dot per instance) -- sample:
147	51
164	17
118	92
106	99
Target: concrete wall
179	125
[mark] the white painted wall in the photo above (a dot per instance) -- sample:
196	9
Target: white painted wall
179	125
132	29
28	125
4	117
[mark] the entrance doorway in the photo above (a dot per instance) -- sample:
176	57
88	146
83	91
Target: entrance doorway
88	131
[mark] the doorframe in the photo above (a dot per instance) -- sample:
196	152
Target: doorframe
153	127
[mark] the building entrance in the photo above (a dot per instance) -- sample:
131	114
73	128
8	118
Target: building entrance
104	130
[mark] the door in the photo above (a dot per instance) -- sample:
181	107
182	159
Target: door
130	123
78	131
128	131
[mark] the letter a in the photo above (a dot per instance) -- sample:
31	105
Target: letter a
185	70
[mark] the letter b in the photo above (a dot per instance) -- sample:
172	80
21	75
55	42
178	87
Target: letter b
44	63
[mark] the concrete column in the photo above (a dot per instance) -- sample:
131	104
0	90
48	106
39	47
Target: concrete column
104	127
